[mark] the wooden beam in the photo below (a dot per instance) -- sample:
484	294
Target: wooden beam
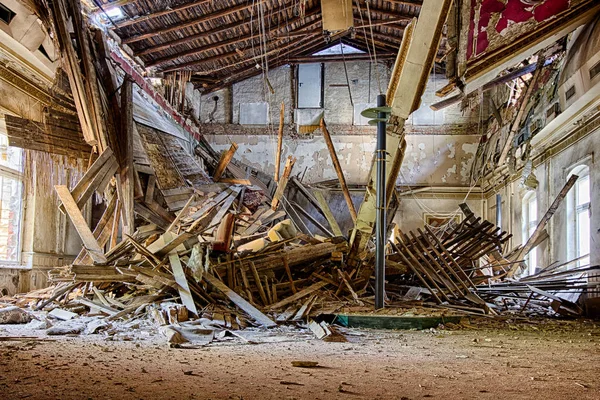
126	161
72	67
248	308
338	170
281	185
258	283
279	141
206	18
221	44
226	157
86	235
297	296
183	287
169	10
275	48
212	32
328	214
340	58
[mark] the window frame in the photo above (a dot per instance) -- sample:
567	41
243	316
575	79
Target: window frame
576	210
528	226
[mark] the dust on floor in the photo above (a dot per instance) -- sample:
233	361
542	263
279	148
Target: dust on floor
503	360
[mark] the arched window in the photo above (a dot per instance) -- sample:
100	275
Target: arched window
579	209
530	222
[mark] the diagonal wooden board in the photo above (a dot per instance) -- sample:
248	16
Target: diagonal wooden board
328	214
252	311
86	235
184	288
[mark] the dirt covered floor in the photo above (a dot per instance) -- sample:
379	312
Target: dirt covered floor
499	360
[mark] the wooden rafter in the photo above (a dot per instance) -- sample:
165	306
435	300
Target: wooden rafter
206	34
232	10
222	44
273	46
167	11
186	24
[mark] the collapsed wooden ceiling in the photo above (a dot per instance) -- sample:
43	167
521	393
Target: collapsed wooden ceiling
223	41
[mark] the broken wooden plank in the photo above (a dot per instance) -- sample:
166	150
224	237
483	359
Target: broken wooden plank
86	235
259	286
226	157
338	170
279	142
297	296
328	214
252	311
281	185
181	213
127	171
184	288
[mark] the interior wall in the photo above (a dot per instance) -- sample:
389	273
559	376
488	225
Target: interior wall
340	97
552	176
429	159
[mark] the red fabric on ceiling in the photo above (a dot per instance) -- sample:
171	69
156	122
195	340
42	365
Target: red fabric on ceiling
513	12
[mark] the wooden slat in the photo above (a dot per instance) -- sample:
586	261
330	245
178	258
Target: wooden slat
226	157
252	311
328	214
338	170
86	235
279	141
184	288
281	185
304	292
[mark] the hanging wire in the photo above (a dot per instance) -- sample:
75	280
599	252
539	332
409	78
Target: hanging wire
346	72
374	48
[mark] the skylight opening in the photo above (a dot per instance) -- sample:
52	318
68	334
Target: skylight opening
337	49
114	13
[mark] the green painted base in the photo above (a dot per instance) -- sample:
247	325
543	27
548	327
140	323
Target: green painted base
393	322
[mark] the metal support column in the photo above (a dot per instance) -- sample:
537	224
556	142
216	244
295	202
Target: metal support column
380	220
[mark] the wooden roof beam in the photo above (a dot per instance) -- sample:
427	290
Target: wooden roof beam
386	13
221	44
186	24
167	11
228	11
234	53
205	34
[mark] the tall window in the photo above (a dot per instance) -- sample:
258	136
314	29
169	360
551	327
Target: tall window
11	200
530	222
581	208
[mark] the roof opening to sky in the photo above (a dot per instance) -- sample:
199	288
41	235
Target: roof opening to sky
337	49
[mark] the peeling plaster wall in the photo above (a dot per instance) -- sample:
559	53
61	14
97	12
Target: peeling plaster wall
442	160
255	90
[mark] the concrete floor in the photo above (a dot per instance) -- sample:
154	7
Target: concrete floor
504	360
